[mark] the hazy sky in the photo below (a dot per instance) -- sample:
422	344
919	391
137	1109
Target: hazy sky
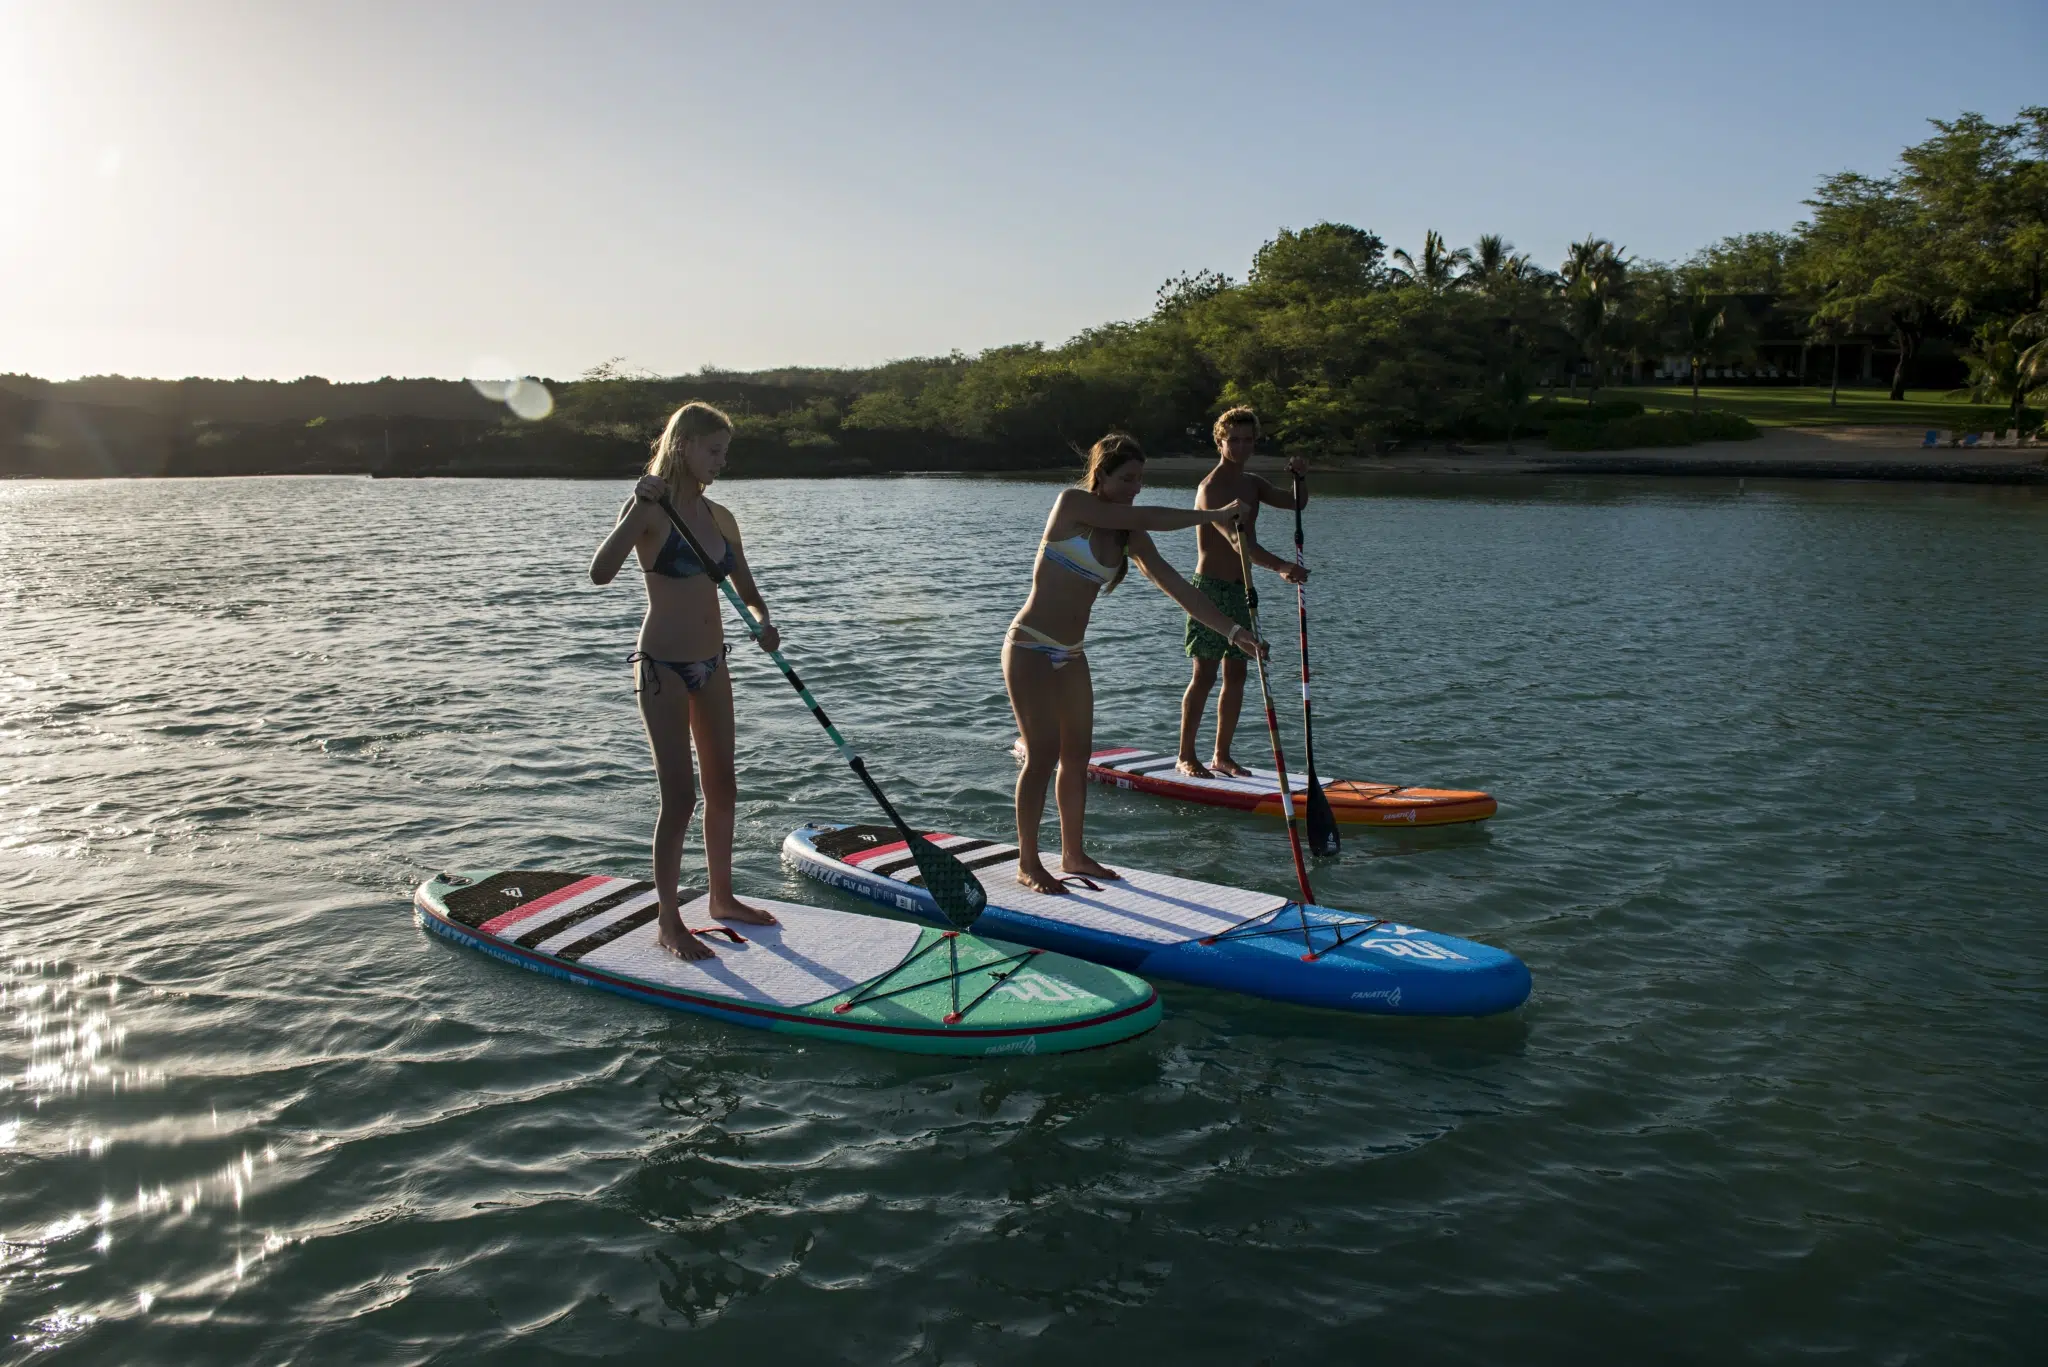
364	189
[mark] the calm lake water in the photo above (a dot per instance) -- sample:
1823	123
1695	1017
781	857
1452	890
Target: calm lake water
1770	765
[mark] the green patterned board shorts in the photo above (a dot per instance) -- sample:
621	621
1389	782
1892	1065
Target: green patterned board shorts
1229	597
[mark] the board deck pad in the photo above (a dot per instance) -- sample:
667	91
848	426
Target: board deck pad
819	971
1155	908
1168	926
1352	801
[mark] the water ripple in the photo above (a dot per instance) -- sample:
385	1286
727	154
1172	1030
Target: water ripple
1768	841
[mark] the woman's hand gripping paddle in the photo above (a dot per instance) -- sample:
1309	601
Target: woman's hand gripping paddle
1308	896
1322	822
959	893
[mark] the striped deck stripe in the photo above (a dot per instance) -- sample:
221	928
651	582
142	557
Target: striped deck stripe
597	939
591	887
888	868
555	925
996	855
867	858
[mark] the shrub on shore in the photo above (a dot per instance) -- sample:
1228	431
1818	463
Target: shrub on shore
1651	429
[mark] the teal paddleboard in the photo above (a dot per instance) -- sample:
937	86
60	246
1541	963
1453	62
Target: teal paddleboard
821	973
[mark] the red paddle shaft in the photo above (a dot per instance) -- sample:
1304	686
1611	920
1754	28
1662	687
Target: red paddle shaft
1308	895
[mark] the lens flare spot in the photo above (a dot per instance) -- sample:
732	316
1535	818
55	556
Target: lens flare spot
530	400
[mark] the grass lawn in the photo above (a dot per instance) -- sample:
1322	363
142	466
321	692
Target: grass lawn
1808	407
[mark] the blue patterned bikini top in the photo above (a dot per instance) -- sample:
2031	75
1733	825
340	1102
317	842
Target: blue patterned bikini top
678	561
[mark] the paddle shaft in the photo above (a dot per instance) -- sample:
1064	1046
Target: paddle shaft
1308	896
1322	822
732	595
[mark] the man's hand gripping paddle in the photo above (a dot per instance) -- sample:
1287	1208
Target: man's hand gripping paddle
1322	822
959	893
1308	896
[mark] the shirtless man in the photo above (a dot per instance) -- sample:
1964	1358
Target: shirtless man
1220	577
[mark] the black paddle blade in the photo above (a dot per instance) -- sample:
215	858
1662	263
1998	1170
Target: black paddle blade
1322	822
958	892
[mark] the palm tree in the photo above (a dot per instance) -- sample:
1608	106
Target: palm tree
1594	278
1439	265
1702	319
2002	367
1493	262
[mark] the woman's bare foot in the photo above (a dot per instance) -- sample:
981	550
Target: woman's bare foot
673	936
1192	768
1031	873
733	909
1082	864
1229	767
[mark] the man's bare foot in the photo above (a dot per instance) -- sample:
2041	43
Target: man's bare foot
1229	767
733	909
1192	768
1082	864
1031	873
672	936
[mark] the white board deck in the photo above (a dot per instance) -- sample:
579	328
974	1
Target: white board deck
1152	764
1155	908
812	955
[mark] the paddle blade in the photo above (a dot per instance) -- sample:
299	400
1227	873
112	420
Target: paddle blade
1322	822
958	892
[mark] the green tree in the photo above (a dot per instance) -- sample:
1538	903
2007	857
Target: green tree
1320	262
1982	190
1879	251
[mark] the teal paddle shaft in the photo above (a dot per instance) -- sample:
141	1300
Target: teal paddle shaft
958	892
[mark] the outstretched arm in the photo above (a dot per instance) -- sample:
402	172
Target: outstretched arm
1191	599
1078	507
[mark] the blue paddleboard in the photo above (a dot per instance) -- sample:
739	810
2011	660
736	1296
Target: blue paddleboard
1162	926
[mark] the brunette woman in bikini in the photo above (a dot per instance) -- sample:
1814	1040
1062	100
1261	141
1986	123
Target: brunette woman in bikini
1091	536
684	687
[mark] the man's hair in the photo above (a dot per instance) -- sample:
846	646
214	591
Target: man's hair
1239	416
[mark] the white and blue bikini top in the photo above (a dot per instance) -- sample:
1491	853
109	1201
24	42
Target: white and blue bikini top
1076	554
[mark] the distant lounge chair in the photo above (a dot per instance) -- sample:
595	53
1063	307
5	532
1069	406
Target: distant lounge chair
1971	440
1933	438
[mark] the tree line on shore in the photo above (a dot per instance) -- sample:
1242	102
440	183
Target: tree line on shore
1341	344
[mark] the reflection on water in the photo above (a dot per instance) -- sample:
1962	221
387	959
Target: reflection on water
1766	759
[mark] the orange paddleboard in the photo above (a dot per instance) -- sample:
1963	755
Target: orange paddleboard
1352	801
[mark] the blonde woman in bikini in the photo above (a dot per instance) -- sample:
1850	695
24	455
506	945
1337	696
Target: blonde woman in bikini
1093	534
684	688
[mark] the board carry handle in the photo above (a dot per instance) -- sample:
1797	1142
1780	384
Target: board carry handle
1308	896
959	893
1322	822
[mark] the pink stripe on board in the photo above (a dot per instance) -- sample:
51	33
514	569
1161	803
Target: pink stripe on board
867	857
538	904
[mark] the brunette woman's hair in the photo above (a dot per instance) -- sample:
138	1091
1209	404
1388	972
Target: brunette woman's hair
1105	458
693	419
